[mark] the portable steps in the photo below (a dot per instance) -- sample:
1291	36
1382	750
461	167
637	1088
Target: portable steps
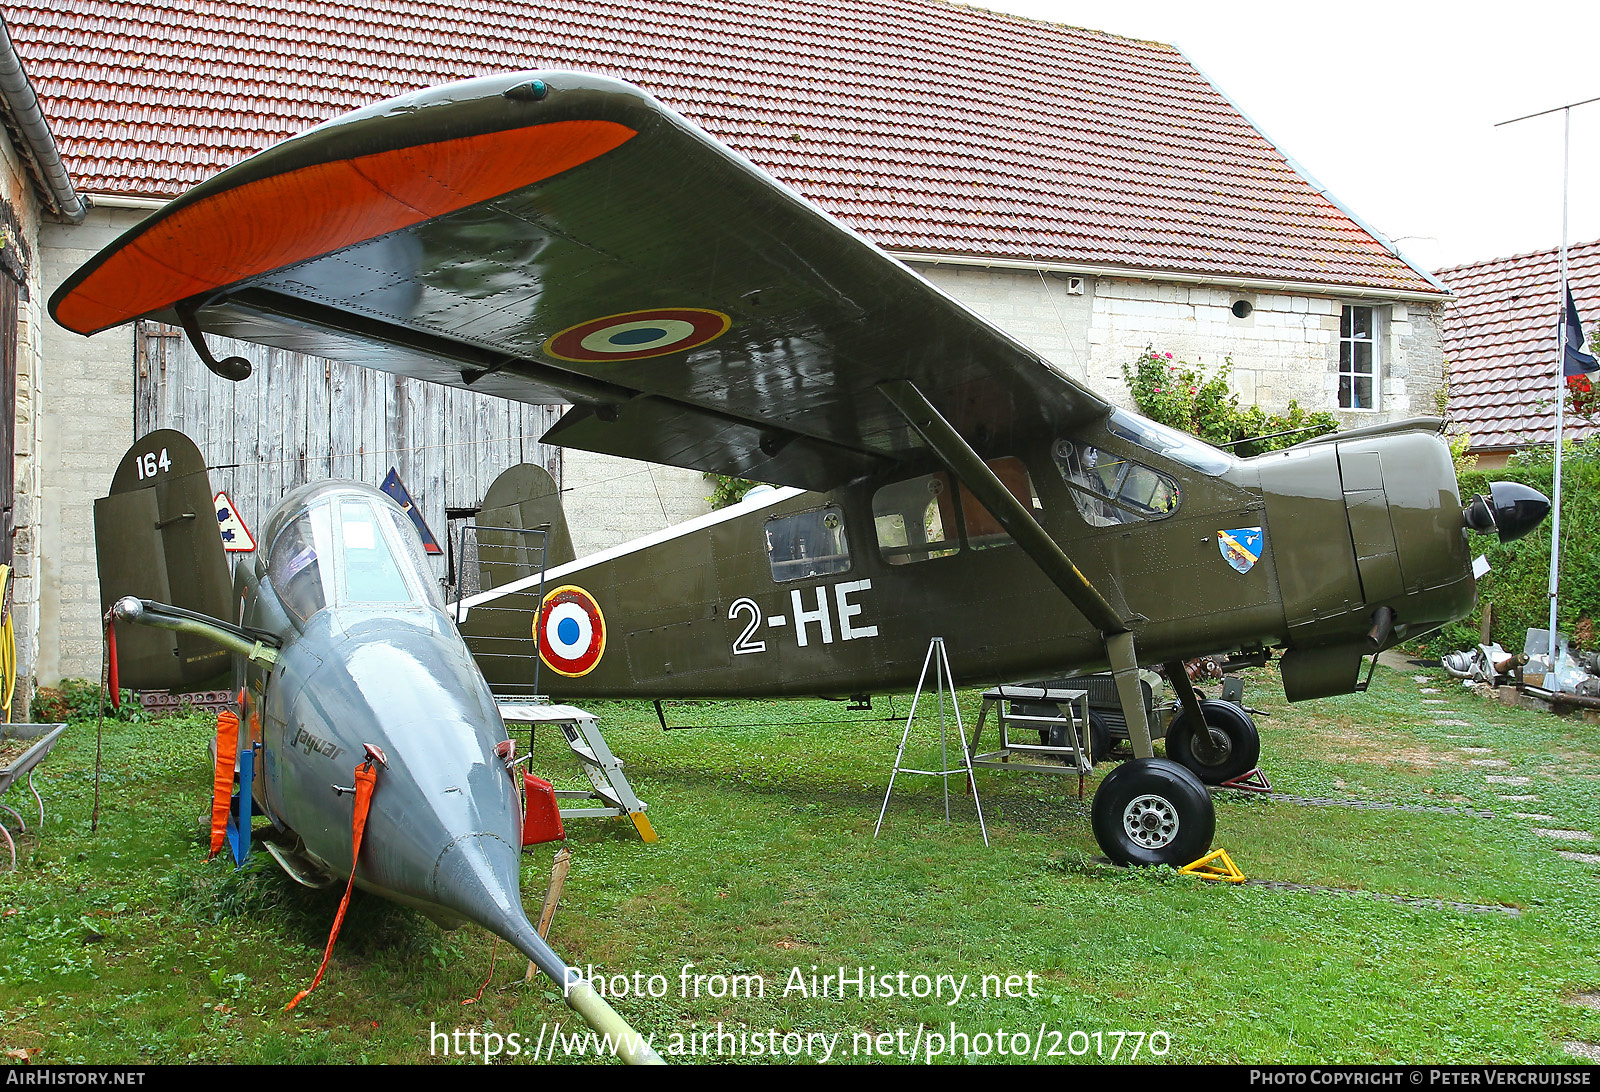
611	794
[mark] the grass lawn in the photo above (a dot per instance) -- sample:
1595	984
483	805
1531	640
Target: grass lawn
126	946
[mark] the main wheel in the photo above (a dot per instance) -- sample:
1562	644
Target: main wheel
1236	745
1152	811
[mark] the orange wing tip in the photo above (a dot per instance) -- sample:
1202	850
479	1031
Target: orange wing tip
264	225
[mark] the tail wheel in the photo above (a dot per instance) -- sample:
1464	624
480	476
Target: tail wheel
1152	811
1235	744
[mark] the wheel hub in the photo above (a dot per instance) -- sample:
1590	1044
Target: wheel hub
1150	821
1220	750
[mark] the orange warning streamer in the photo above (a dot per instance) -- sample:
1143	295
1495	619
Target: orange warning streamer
366	779
222	778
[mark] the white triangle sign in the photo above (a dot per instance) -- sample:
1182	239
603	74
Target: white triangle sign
236	536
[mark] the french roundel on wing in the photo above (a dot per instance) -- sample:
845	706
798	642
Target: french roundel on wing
571	631
638	335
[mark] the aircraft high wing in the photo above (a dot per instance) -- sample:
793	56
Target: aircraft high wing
565	238
555	237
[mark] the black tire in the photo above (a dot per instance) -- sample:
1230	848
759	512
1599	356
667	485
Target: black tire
1099	737
1232	732
1152	811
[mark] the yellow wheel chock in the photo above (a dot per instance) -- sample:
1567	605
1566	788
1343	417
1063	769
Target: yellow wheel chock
1216	865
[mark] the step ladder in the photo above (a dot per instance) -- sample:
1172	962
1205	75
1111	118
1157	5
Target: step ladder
1071	756
611	794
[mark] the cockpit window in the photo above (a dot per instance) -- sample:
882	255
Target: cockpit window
410	554
1109	489
1179	446
347	551
370	574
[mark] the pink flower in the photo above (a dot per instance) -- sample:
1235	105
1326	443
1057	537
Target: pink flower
1169	356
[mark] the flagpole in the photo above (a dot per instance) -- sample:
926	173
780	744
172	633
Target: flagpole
1561	379
1561	397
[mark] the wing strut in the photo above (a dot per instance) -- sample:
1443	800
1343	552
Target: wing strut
1036	542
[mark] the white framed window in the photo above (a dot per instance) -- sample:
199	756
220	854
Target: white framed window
1358	358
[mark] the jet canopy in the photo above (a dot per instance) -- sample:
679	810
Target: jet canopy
346	547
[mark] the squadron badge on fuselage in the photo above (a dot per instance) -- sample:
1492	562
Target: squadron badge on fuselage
1241	547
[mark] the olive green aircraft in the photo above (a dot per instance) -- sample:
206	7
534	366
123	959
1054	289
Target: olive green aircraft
554	237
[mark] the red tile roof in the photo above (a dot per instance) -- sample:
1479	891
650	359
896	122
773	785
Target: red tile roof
1500	343
928	126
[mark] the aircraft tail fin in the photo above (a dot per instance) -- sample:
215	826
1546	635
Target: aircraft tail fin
522	499
157	537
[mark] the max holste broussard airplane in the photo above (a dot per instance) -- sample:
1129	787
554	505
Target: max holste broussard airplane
556	237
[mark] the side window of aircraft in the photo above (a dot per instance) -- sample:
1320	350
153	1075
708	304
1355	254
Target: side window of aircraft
983	530
297	568
914	520
1110	490
808	544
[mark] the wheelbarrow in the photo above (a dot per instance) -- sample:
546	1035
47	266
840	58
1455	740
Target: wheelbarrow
35	741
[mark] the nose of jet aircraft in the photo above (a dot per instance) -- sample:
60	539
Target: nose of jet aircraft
1511	510
443	833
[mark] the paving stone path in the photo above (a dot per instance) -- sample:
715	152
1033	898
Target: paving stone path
1379	896
1559	834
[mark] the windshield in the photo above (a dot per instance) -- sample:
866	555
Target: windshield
1176	445
346	550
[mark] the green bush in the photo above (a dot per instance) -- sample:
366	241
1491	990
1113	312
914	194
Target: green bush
1184	396
727	491
1519	574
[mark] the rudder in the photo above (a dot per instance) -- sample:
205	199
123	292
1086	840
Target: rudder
156	537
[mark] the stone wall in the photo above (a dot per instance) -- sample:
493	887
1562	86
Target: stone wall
86	425
609	500
1286	348
20	217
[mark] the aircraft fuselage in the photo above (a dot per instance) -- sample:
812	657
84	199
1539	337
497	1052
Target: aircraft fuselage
795	593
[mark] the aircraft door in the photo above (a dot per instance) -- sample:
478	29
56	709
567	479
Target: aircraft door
1309	535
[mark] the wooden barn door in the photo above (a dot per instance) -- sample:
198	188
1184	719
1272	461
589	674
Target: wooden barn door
302	418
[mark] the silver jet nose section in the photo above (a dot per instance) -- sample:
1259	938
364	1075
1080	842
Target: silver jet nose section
444	832
1510	510
477	877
